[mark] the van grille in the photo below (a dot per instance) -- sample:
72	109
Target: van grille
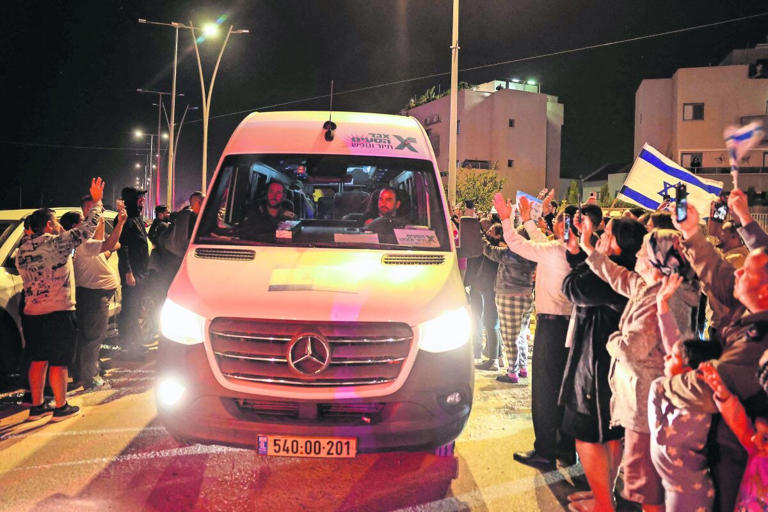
341	412
358	354
413	259
225	254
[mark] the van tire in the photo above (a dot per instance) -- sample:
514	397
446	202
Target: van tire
445	450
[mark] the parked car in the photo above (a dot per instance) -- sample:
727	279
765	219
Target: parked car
11	336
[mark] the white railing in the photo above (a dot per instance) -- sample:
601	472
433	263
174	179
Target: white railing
762	219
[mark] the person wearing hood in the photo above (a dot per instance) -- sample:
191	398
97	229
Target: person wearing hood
133	265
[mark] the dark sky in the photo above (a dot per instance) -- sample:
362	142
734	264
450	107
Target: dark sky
71	68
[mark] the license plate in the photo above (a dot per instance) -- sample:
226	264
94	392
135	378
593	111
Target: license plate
293	446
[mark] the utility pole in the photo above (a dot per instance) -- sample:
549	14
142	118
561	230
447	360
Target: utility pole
453	123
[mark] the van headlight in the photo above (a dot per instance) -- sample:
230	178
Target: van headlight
449	331
181	325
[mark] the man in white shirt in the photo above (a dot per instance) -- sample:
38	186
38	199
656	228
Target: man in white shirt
96	282
553	312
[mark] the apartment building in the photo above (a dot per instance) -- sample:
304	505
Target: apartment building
504	125
684	116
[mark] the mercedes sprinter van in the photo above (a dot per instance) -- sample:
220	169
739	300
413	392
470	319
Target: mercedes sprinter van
319	310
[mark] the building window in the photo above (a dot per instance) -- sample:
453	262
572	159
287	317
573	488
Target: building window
476	164
511	123
693	111
458	126
690	161
510	163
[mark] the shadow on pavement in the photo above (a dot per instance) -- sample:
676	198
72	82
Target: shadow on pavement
155	473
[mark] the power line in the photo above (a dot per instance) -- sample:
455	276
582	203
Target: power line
501	63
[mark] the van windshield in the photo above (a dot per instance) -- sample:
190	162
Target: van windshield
345	201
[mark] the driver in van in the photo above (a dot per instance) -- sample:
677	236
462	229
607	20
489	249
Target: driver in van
388	204
388	219
266	214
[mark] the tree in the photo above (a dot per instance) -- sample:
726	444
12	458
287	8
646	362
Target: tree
604	196
478	186
572	197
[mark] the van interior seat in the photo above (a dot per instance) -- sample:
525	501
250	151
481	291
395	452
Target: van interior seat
349	201
325	207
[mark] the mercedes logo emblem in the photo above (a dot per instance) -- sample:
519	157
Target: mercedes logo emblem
309	354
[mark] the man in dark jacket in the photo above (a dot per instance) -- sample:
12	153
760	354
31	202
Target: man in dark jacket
481	278
133	266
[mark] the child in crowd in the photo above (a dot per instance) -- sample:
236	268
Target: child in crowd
753	493
678	448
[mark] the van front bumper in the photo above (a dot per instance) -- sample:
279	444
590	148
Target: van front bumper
418	416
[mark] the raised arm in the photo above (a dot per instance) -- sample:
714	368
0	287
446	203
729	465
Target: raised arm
714	272
670	334
623	281
111	242
728	404
69	240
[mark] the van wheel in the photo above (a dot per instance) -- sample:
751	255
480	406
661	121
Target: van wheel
446	450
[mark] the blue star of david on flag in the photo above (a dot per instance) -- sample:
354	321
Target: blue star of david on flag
665	192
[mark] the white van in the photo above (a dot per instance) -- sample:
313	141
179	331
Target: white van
306	320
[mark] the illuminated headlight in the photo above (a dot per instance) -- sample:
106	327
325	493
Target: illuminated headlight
169	391
449	331
181	325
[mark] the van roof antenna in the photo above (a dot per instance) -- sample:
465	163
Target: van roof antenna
329	126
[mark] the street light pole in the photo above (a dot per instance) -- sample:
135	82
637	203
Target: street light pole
206	99
453	123
171	145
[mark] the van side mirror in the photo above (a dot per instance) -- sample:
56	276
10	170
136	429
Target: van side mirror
470	244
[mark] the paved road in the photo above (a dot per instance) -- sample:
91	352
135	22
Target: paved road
115	456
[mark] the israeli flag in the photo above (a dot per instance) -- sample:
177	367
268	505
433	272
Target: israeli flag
654	176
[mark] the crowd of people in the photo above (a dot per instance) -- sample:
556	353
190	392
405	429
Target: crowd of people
650	341
650	351
69	283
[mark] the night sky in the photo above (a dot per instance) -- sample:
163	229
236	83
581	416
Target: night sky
71	69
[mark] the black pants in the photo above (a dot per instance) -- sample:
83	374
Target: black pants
485	317
92	320
549	358
131	332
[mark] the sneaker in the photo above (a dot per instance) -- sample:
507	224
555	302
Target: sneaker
40	411
64	412
489	365
523	373
508	378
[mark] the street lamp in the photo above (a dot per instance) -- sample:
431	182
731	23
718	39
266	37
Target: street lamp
209	30
160	95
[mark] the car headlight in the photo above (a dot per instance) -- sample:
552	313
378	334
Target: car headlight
449	331
181	325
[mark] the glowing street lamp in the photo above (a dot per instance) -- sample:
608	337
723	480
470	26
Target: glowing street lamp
209	30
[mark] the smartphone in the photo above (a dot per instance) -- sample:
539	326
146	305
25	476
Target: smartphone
681	203
720	213
567	232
